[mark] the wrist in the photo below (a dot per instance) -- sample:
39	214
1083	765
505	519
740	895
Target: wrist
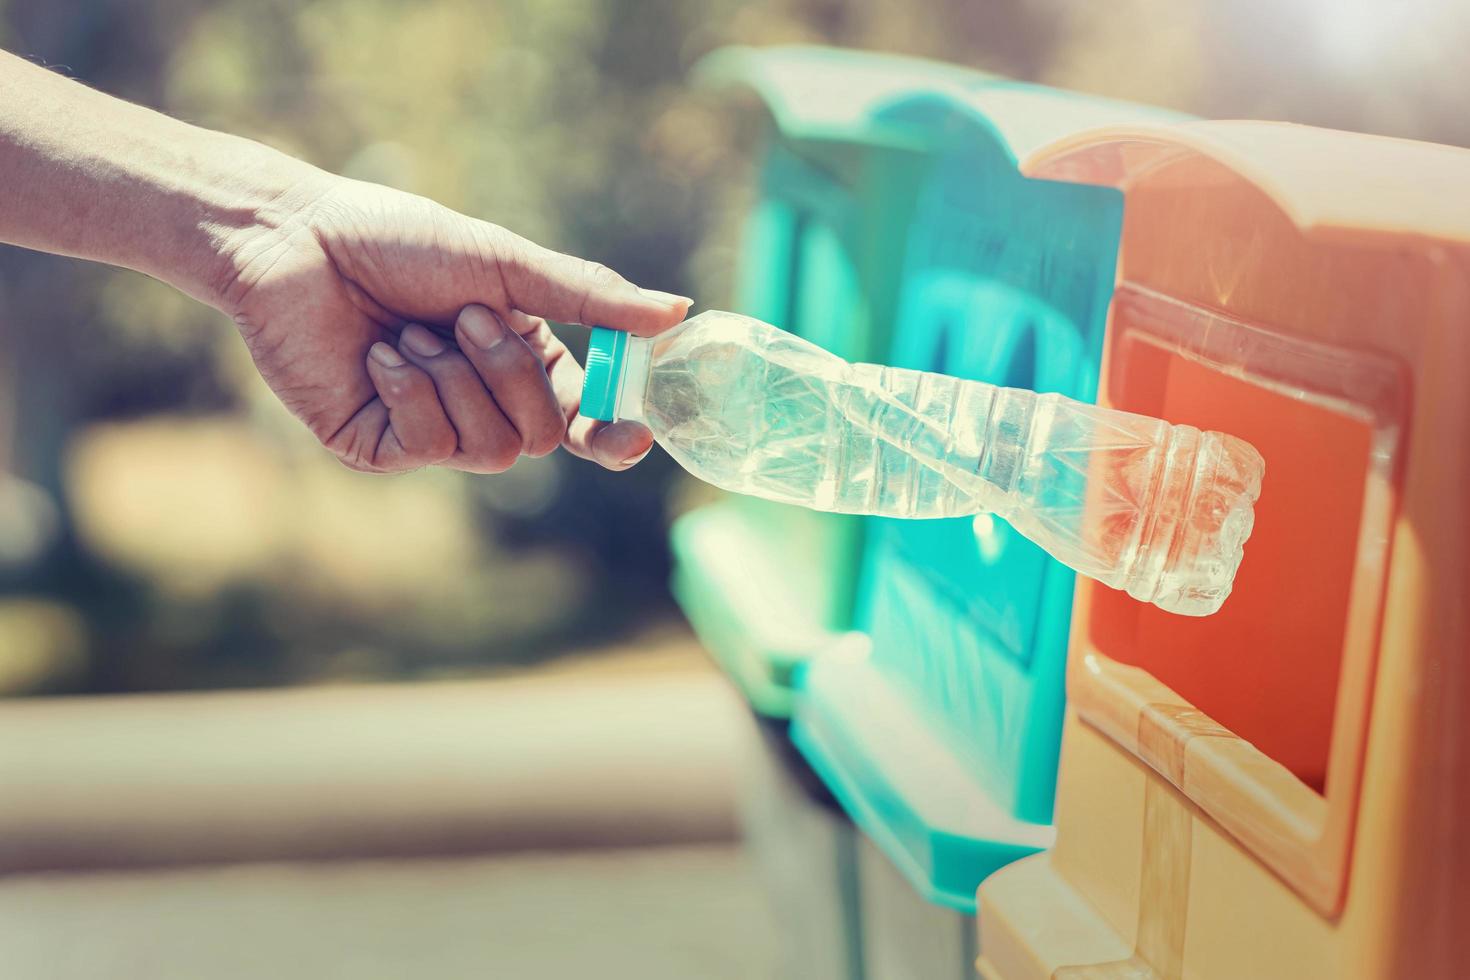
98	178
230	196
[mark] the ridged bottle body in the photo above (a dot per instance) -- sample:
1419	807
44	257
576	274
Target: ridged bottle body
1158	510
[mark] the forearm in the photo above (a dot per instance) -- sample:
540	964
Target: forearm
87	175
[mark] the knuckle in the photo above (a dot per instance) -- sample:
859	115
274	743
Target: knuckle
547	436
450	365
503	448
494	447
440	446
402	386
357	464
512	363
541	340
498	459
351	446
596	280
500	243
507	252
600	276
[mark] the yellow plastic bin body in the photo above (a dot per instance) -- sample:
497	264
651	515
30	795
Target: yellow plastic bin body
1279	790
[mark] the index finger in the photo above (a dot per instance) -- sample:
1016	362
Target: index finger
562	287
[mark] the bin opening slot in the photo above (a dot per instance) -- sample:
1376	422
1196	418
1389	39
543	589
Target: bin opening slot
1267	665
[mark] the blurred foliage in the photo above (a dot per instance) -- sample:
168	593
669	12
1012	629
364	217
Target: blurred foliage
201	539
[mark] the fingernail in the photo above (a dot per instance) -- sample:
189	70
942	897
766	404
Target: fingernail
482	327
422	341
385	355
666	299
637	458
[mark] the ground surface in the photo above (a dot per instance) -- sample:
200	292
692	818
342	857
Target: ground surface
685	913
303	833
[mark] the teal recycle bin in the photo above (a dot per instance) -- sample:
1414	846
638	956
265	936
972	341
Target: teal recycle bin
766	585
940	735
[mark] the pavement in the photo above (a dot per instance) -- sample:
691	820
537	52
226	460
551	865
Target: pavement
574	822
666	913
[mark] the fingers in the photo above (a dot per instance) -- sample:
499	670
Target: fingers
612	445
476	408
562	287
515	376
486	440
510	387
405	427
615	446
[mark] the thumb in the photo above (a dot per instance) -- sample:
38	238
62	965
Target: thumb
562	287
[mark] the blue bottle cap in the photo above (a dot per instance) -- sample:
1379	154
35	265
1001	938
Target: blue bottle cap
605	352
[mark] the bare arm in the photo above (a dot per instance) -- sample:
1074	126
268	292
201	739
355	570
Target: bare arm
402	333
94	177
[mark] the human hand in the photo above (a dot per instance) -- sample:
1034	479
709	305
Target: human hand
405	334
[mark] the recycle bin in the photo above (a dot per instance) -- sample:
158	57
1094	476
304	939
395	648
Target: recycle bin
1278	790
821	257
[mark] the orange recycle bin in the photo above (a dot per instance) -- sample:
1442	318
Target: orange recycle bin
1281	789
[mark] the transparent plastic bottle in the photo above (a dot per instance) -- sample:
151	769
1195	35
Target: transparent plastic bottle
1161	511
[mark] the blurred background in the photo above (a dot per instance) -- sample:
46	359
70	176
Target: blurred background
166	527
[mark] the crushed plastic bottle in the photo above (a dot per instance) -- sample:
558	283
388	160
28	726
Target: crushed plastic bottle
1160	511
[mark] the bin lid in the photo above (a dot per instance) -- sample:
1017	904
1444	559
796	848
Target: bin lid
815	92
1329	183
1019	117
